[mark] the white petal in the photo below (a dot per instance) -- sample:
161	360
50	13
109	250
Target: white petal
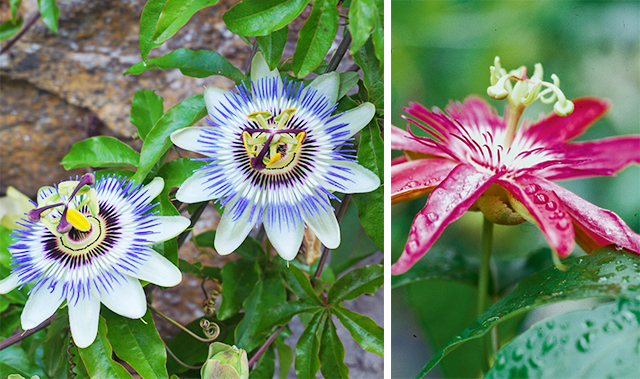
213	97
158	270
286	239
40	306
9	283
187	138
168	227
355	118
230	232
327	85
83	319
360	180
260	69
325	226
194	189
153	189
126	298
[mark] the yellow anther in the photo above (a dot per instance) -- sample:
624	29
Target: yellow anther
296	146
246	137
78	220
261	118
284	116
274	159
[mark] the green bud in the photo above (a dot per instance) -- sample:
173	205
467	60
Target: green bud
225	362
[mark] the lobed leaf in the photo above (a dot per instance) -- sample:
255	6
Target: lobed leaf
301	285
364	330
100	151
373	82
97	358
307	361
261	17
282	313
146	110
49	12
272	46
332	353
315	37
367	279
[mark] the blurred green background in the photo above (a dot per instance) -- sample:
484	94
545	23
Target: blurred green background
441	51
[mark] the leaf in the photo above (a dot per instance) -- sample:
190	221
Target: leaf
355	245
14	5
100	151
188	349
367	279
54	347
272	46
97	357
161	19
13	360
50	13
10	28
261	17
604	273
281	314
315	37
138	343
439	264
185	113
364	330
371	205
238	281
347	81
362	18
370	65
598	343
193	63
301	285
266	365
269	291
146	110
377	37
332	353
307	361
285	356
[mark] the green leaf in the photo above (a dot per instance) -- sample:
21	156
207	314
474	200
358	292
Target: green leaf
367	279
193	63
440	264
307	349
238	281
187	349
371	205
364	330
362	18
268	291
146	110
282	313
183	114
97	357
261	17
14	5
50	13
355	244
161	19
315	37
377	37
301	285
332	353
10	28
347	81
285	356
266	365
598	343
373	82
13	360
272	46
604	273
100	151
54	347
138	343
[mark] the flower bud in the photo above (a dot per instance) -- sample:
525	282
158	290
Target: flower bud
225	362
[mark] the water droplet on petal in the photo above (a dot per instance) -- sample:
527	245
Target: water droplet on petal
563	224
432	217
531	189
551	206
412	246
540	198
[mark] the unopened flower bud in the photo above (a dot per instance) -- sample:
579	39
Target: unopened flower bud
225	362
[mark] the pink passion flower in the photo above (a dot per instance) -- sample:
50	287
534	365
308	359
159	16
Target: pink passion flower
470	163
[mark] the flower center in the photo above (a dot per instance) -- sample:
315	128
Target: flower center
272	147
77	242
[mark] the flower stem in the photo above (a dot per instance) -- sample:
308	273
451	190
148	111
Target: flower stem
181	363
21	33
19	336
265	346
515	112
483	283
340	52
325	250
176	323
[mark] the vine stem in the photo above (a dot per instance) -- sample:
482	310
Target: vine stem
21	33
19	336
340	52
483	282
179	325
194	218
325	250
265	346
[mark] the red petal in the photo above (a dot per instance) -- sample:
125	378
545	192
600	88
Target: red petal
606	156
403	140
552	218
554	129
476	113
398	160
602	222
447	203
413	179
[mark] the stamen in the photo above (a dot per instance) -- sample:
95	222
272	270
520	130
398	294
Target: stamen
78	220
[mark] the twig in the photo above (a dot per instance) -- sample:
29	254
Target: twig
340	52
17	337
194	218
20	34
254	50
325	251
265	346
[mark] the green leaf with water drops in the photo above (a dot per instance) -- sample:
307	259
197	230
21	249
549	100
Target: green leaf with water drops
272	46
599	343
607	272
100	151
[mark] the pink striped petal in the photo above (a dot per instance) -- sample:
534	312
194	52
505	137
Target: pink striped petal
547	210
403	140
602	222
398	160
447	203
417	178
606	156
555	129
477	114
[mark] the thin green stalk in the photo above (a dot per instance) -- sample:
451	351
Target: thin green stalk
184	328
483	285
